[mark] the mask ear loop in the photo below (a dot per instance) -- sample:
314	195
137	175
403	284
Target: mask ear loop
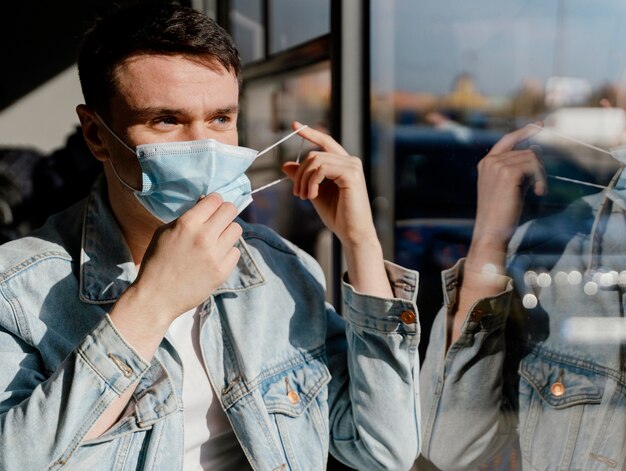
276	182
610	192
609	195
121	142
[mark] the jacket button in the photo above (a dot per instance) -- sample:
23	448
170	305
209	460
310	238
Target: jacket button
293	396
408	317
557	389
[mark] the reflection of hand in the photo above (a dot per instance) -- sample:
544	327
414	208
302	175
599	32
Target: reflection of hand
334	182
504	176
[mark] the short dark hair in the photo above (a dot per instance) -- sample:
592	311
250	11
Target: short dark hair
146	28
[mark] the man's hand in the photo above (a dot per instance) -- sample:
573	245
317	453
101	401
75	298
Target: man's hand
186	261
334	182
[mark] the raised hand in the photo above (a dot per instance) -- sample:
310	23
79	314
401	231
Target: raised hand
334	182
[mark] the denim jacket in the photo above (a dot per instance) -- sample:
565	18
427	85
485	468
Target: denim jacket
530	378
294	378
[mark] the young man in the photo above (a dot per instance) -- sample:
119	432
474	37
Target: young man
204	342
509	363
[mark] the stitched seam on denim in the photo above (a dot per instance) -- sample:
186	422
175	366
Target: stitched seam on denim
566	360
262	418
308	397
79	353
20	321
304	357
262	280
83	355
573	430
411	338
244	388
144	423
273	243
285	441
384	326
147	422
530	424
562	402
122	452
34	260
101	406
157	447
609	415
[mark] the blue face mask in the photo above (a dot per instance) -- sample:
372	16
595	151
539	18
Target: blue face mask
176	174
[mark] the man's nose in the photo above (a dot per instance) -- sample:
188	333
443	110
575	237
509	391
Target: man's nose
198	131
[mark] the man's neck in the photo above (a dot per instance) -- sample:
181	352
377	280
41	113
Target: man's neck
136	224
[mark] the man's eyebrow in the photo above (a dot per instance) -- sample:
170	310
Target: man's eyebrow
152	112
228	110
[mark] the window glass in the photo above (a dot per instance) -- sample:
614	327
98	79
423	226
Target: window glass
247	27
293	22
448	80
271	104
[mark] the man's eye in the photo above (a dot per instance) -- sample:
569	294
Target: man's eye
166	121
222	120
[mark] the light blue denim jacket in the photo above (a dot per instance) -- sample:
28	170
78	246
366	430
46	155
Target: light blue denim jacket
265	332
521	377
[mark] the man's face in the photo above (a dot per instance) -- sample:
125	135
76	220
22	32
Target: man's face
167	99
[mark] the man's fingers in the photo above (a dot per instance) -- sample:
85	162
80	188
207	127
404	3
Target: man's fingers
510	140
541	182
319	166
203	209
320	139
231	234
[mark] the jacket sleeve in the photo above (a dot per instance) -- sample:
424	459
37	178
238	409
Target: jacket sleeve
467	417
374	391
44	415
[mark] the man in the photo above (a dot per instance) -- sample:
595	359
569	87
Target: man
205	342
508	363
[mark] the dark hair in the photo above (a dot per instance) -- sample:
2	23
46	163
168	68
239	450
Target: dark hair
149	29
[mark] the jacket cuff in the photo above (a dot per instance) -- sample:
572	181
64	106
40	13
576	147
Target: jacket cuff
394	315
111	357
490	312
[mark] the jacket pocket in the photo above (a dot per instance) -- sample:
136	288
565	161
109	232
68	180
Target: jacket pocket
296	400
560	409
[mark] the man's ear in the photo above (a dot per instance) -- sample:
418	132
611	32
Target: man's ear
92	132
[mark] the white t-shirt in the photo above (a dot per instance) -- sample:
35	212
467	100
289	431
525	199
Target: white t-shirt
210	443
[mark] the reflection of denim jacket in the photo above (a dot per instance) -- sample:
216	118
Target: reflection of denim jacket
266	333
528	374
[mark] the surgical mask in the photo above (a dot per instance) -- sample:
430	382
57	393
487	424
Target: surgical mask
618	153
175	175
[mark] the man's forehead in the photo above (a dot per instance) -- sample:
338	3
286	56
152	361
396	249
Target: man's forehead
174	82
150	67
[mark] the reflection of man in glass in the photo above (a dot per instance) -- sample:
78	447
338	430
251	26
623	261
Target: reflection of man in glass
523	366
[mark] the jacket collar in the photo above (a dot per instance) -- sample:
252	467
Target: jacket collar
107	268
